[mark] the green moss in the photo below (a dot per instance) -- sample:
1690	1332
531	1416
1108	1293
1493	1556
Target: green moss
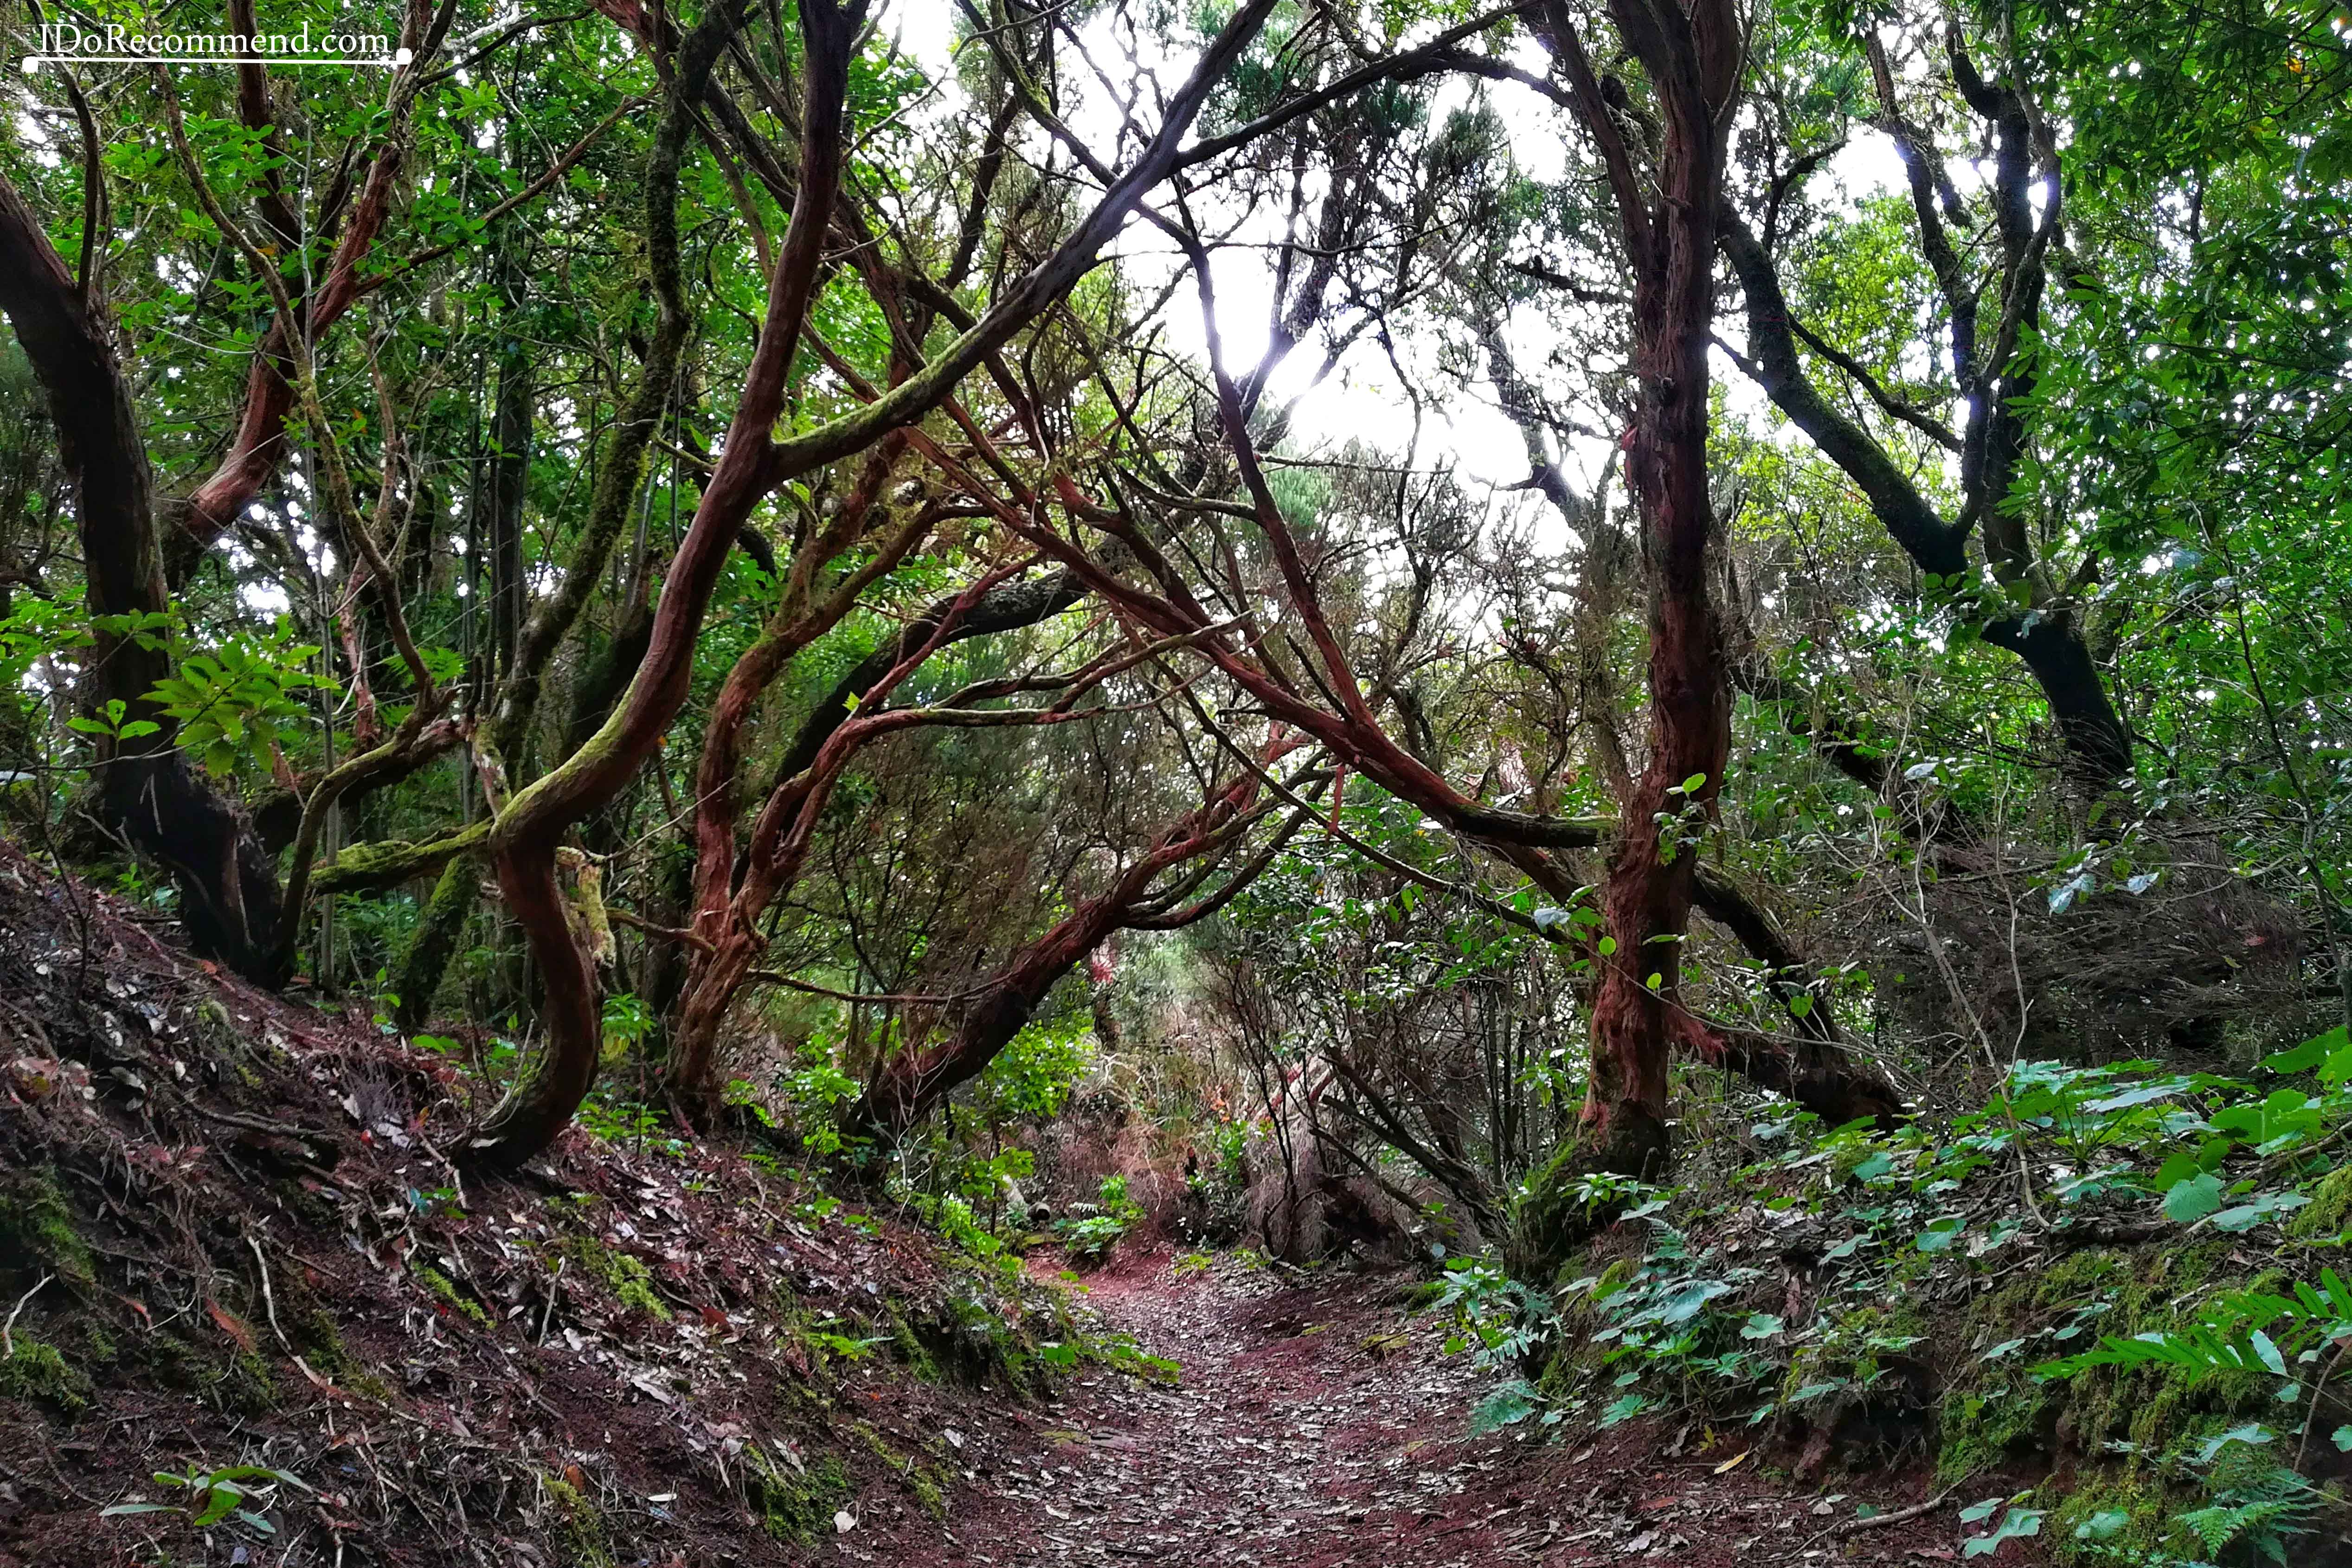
322	1342
629	1280
174	1362
795	1503
1552	1219
246	1386
242	1383
2328	1216
910	1349
581	1525
867	1433
1997	1409
37	1371
2141	1496
441	1285
37	1235
927	1495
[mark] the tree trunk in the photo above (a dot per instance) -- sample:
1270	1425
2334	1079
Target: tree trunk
439	932
754	463
513	414
1693	62
147	790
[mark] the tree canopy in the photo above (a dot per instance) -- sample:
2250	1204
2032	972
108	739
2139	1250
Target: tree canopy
1547	541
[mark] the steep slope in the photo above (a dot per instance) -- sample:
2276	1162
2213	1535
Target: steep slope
229	1238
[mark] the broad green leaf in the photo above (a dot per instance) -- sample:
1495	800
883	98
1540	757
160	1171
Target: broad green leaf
2193	1199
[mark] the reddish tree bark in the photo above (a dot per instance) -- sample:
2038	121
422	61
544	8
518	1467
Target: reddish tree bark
907	1085
259	445
754	464
1692	58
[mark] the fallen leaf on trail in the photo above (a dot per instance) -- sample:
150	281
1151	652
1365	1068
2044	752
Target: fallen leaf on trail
320	1383
230	1324
1732	1463
954	1437
844	1522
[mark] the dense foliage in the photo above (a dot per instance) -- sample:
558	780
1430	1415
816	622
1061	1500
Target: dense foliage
1503	629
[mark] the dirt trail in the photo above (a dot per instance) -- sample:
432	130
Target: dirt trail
1304	1435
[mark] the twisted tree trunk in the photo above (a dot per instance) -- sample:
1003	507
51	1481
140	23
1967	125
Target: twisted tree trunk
754	463
1692	60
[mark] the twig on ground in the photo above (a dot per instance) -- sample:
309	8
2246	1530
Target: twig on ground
553	1286
1917	1511
9	1329
268	1296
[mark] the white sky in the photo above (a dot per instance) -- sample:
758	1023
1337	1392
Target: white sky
1361	400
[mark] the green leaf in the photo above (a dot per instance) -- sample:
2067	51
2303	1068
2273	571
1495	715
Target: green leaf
1623	1409
2102	1525
2264	1205
1686	1301
1940	1233
2193	1199
220	1502
2254	1436
1512	1403
2308	1055
2016	1524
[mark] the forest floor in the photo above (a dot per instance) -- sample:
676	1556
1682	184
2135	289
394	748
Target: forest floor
1315	1422
225	1239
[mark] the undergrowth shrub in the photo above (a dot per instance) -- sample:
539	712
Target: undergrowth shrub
2113	1264
1091	1230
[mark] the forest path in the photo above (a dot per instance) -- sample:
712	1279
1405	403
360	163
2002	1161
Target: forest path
1320	1425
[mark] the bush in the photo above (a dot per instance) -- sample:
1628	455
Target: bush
1091	1230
